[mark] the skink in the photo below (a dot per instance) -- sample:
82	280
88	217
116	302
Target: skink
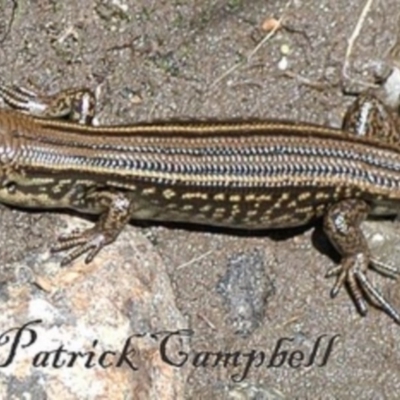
242	175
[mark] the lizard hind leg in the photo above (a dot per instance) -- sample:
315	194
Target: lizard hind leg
370	117
342	226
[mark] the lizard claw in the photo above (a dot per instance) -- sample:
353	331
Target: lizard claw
90	241
353	271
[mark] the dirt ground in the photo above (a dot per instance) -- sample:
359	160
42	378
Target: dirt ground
214	59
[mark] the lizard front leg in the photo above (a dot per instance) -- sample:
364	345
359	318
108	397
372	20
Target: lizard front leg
117	210
78	105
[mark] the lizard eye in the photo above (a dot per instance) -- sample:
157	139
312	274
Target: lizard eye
10	186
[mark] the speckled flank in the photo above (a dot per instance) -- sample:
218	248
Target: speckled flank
251	175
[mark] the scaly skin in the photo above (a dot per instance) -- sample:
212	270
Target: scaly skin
242	175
